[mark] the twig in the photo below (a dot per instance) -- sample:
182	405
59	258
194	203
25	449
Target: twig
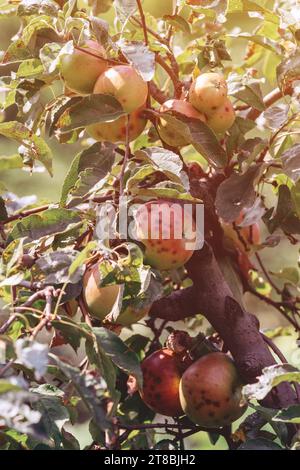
274	348
176	83
267	274
84	311
269	99
126	157
23	214
6	367
143	21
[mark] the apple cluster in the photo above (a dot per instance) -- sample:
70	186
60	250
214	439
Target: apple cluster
207	102
208	391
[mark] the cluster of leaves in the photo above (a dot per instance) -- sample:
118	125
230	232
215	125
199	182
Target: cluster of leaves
43	394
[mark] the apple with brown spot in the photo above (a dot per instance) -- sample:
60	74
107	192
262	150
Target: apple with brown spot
167	232
211	391
161	377
125	84
208	92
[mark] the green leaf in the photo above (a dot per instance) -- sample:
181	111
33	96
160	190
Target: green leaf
54	416
90	110
285	215
37	7
289	415
87	391
119	353
35	145
72	331
178	22
49	222
87	171
11	163
271	377
6	387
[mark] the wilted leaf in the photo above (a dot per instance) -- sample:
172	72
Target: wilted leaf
271	377
55	266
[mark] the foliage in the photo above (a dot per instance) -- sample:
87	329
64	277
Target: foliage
60	366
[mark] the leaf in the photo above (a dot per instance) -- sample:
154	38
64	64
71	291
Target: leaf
125	9
288	274
288	71
87	171
35	145
259	444
247	90
200	136
37	7
53	416
271	377
178	22
275	116
285	216
290	161
6	387
90	110
236	193
3	211
81	257
119	353
289	415
140	57
166	161
32	355
56	267
71	331
57	110
10	163
49	222
87	391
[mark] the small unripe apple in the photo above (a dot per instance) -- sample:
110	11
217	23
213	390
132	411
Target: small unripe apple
211	391
161	378
208	92
167	133
80	69
158	8
115	131
125	84
223	118
168	233
100	300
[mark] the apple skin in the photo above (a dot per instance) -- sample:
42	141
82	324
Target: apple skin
158	8
161	378
208	92
125	84
166	132
166	251
223	118
115	131
245	237
210	391
80	70
100	300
